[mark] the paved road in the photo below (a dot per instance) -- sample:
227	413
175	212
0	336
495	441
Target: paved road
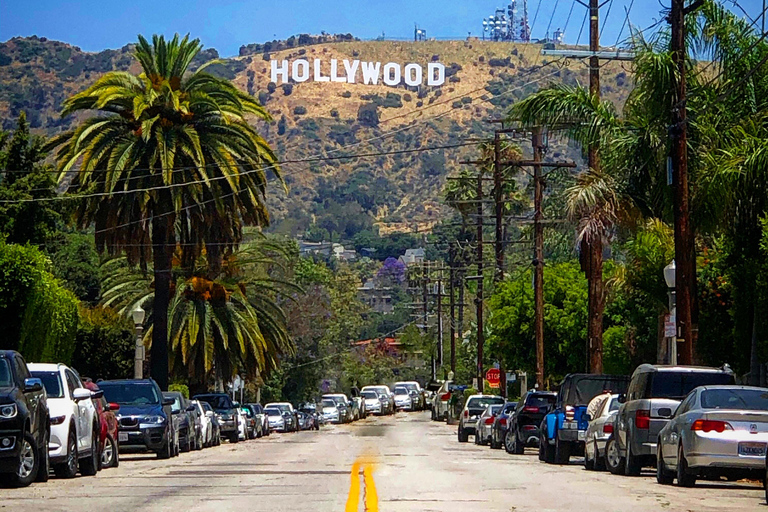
420	467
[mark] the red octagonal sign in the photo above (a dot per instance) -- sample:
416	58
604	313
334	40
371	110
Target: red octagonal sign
493	376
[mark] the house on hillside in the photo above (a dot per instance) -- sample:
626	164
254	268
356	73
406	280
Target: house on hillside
378	298
413	256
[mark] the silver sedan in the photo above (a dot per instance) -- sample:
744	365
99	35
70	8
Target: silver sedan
716	431
599	430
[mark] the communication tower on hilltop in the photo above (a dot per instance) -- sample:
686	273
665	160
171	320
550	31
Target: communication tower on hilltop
525	29
507	24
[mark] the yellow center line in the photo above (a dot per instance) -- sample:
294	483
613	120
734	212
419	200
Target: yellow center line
370	496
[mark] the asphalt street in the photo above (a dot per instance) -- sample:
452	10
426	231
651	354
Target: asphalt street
417	465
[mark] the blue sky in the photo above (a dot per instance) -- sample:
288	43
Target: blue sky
227	24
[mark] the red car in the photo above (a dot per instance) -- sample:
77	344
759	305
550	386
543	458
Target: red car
110	457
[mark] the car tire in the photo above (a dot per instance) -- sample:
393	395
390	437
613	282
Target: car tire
684	477
599	461
68	468
166	452
44	466
234	438
495	445
89	465
589	462
663	475
463	437
633	465
562	452
113	460
187	445
519	446
509	441
28	463
613	459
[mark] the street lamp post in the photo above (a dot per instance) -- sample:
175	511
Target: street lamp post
138	323
671	349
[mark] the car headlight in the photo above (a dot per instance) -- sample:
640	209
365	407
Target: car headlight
8	411
157	420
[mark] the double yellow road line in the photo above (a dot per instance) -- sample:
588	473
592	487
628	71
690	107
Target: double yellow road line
370	497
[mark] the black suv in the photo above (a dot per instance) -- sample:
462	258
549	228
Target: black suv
185	420
24	423
145	419
226	411
523	424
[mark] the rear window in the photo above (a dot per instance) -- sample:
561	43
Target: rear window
483	402
130	393
679	384
495	409
540	400
744	399
216	401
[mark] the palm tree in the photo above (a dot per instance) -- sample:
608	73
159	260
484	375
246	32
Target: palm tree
169	157
222	326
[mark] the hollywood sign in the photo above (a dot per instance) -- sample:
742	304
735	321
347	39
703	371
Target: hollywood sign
370	73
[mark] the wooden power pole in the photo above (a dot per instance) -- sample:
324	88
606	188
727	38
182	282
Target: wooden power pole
538	258
480	269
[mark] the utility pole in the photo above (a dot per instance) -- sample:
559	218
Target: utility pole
684	249
479	298
452	292
538	258
425	306
440	317
499	205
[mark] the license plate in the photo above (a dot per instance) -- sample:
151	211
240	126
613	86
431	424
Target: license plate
752	449
582	435
122	437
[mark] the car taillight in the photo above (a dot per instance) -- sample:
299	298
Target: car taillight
570	413
58	420
711	425
466	413
445	397
529	427
489	421
643	419
531	408
503	421
608	428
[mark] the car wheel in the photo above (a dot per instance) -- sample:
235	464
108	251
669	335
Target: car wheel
166	452
562	452
234	438
28	463
613	459
68	468
589	462
187	444
463	437
509	441
684	477
89	466
633	465
43	456
663	475
599	461
519	446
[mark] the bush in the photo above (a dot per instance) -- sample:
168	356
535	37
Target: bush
497	62
407	97
263	98
466	100
334	112
300	110
457	104
181	388
287	89
346	94
368	115
105	344
271	87
419	103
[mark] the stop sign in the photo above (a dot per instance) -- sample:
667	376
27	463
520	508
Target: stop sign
493	376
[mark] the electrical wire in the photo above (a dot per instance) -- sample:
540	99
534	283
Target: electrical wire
624	23
607	14
552	17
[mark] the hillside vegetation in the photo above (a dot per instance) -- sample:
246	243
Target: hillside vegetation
314	121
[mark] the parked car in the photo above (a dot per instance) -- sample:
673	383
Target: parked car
354	396
206	424
473	408
306	421
403	398
564	428
717	431
346	414
184	417
261	419
110	453
441	401
215	428
638	421
485	422
242	427
226	414
383	391
331	412
145	419
24	423
196	424
500	425
278	420
291	420
310	408
525	422
602	415
414	388
372	403
252	426
75	430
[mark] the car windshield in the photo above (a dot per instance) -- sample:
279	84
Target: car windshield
327	402
535	400
401	390
206	406
615	404
484	401
217	401
273	412
51	382
493	410
176	407
370	395
736	399
509	407
6	380
130	393
679	384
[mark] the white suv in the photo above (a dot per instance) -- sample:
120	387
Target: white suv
75	425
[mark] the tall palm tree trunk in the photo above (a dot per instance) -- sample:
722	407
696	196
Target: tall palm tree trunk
592	264
162	253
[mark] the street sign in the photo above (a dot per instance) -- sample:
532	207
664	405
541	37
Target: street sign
669	326
493	376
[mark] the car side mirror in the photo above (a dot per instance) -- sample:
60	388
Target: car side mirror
209	414
665	412
191	408
622	398
32	384
168	401
81	394
113	406
588	417
235	404
175	411
97	394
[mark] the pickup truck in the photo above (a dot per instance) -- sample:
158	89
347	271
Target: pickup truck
564	427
